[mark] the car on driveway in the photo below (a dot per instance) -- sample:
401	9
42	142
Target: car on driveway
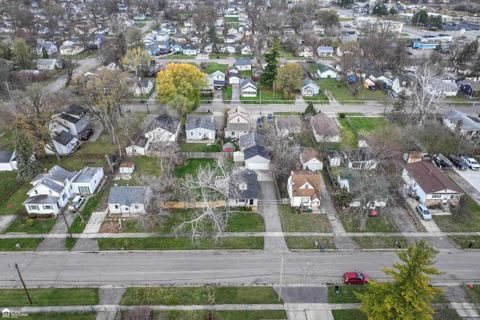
458	162
442	162
423	212
86	134
471	163
355	278
76	203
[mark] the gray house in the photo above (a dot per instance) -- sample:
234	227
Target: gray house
75	118
129	200
309	88
200	128
243	189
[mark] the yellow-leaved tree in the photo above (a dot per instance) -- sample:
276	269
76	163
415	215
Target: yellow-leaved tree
179	85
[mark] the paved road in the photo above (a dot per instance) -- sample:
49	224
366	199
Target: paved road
195	267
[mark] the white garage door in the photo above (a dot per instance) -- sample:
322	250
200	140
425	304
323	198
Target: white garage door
256	165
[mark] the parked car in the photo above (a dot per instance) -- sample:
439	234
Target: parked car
458	162
471	163
424	213
76	203
442	162
373	213
86	134
355	278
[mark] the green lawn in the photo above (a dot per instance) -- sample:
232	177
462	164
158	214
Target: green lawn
191	166
352	223
231	19
294	243
349	138
355	127
348	314
146	166
29	244
220	315
159	243
200	147
465	222
7	140
266	95
227	94
345	93
319	98
346	295
473	294
214	66
31	225
49	297
245	221
14	204
464	241
199	295
380	242
245	74
60	316
177	56
8	184
82	55
303	222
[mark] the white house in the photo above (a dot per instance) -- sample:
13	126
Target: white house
238	123
248	88
142	87
200	128
304	189
310	88
311	160
361	159
87	180
243	64
139	147
243	189
427	182
325	51
48	64
305	51
190	50
47	46
347	183
446	88
233	79
126	168
246	50
64	143
326	72
216	80
256	158
74	119
69	48
163	129
325	129
129	200
8	161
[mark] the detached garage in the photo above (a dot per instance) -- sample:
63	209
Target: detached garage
256	158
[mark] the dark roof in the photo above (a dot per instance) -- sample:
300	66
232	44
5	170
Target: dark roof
69	118
165	122
127	195
63	137
429	177
5	156
197	121
86	174
41	199
255	150
247	177
243	62
249	140
324	125
75	110
245	82
323	67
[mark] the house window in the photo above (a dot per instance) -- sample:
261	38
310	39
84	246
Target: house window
436	196
84	190
191	133
305	200
47	207
136	207
33	207
64	196
36	191
116	206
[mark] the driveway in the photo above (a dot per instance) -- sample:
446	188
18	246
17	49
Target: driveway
268	207
95	222
303	294
469	181
58	244
235	93
5	221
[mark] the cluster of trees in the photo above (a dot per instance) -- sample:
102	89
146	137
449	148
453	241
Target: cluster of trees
422	18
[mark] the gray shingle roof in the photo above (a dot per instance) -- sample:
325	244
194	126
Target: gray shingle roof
164	122
41	199
468	122
5	156
249	177
128	195
59	174
249	140
243	62
86	174
256	150
63	137
197	121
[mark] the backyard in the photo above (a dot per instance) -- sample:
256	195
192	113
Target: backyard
346	93
466	220
200	147
214	66
353	128
191	166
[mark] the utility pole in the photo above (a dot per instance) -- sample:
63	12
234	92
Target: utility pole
281	279
23	284
66	223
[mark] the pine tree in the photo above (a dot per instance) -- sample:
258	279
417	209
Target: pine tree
271	57
44	53
27	166
409	295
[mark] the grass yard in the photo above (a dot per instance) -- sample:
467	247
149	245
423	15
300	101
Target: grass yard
444	312
267	95
227	94
231	19
82	55
200	147
295	243
352	223
214	66
319	98
31	225
349	138
29	244
191	166
465	241
92	204
469	222
8	184
49	297
303	222
7	140
354	127
348	314
14	204
473	294
345	93
146	166
346	295
60	316
380	242
245	221
220	315
245	74
199	296
178	56
158	243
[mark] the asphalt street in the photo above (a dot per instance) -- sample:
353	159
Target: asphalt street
57	269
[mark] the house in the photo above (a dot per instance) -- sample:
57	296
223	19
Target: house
216	80
200	128
361	159
402	83
246	50
446	88
139	147
126	168
63	142
325	51
304	189
243	64
249	140
70	48
190	50
238	123
142	87
8	161
129	200
305	51
471	88
248	88
243	189
325	129
334	158
309	88
256	158
467	126
87	180
288	125
74	119
326	72
163	129
311	160
233	79
48	64
346	182
46	46
429	184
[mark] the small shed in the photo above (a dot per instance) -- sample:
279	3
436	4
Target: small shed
228	147
127	167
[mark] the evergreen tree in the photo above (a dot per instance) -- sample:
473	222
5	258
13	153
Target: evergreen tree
21	55
467	54
409	295
27	166
271	57
310	110
44	53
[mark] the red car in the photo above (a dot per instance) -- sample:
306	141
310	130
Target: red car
355	278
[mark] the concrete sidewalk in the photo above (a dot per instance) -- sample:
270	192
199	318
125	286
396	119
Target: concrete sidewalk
95	222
